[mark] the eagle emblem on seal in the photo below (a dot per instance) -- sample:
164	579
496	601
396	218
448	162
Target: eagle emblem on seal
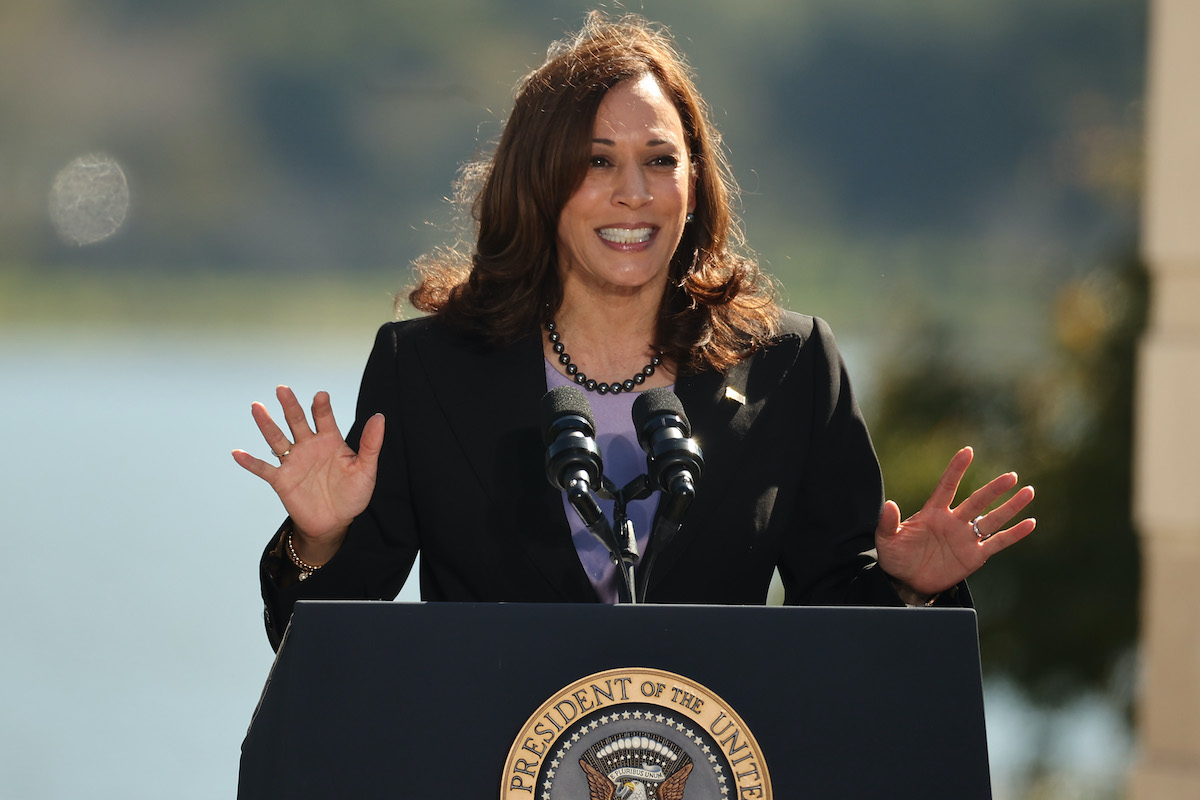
636	766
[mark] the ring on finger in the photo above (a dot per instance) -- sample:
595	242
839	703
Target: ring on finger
975	527
289	450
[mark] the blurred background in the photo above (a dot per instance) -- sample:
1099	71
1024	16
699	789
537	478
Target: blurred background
200	200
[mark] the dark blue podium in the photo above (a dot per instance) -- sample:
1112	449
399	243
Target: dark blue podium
414	701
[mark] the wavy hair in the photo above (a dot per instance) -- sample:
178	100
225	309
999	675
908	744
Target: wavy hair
718	306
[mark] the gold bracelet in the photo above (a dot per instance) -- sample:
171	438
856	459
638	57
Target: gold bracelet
306	569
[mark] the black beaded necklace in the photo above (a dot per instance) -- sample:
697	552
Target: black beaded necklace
616	387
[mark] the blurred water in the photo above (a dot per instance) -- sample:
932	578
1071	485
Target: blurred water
133	652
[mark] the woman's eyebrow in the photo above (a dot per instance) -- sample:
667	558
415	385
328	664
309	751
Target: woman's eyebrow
651	143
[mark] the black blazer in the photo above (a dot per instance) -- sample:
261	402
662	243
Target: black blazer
790	481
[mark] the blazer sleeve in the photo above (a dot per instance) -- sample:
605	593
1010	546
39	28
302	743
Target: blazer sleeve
378	553
829	557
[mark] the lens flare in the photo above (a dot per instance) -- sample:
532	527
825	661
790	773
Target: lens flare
89	199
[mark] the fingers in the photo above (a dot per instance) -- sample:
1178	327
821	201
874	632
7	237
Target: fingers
257	466
989	525
324	423
270	431
947	485
294	414
984	496
981	498
995	543
322	411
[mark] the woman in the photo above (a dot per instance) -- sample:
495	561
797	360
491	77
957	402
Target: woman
605	256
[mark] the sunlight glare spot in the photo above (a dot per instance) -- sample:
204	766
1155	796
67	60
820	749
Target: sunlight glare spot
89	199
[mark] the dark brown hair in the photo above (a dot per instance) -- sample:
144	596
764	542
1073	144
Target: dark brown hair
718	305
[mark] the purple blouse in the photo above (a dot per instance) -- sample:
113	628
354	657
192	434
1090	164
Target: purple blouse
624	460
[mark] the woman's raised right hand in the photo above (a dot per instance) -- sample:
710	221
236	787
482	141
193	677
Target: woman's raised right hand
321	481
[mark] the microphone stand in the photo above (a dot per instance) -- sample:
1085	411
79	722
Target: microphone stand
666	525
625	555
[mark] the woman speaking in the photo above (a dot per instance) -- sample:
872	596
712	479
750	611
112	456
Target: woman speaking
606	256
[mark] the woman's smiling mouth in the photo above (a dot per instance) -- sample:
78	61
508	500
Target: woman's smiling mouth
626	235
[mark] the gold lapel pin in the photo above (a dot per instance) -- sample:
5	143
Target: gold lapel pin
734	395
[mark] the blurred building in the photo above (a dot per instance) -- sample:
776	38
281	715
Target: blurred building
1168	428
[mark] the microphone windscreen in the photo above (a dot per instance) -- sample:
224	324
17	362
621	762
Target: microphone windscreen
558	403
653	403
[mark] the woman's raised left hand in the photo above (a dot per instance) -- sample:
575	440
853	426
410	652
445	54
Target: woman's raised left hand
939	546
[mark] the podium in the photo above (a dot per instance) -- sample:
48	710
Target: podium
414	701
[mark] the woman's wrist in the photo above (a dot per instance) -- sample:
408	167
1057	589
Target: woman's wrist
911	597
306	569
309	553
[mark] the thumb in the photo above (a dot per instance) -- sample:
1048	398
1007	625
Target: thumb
889	520
371	441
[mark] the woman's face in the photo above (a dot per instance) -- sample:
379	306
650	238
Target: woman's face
618	231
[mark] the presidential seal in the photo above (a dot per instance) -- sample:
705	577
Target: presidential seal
635	734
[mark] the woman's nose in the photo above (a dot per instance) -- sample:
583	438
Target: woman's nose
631	189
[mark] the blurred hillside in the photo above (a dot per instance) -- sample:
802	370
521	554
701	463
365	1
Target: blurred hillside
299	136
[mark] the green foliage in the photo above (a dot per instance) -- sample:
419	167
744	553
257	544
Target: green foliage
1057	612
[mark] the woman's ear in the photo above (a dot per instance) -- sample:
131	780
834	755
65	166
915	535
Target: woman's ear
693	173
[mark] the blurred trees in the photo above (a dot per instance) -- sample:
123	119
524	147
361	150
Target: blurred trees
1057	612
294	134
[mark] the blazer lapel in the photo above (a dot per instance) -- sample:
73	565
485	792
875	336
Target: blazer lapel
721	408
491	401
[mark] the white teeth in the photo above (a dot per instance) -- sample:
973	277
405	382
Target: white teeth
626	235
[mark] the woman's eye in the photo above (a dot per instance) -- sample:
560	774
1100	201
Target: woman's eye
664	161
598	161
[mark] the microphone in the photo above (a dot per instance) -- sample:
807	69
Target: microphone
573	462
674	462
